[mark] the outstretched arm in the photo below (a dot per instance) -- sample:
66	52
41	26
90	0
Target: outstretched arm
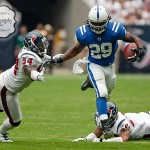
70	53
123	136
31	72
90	137
73	51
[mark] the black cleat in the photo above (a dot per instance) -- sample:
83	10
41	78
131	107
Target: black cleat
86	84
106	130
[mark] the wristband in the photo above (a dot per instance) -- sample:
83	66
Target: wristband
34	75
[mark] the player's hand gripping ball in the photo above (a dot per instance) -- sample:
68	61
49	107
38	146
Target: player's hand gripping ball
129	52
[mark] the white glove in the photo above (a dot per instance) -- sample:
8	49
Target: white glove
57	56
52	61
37	76
40	78
79	139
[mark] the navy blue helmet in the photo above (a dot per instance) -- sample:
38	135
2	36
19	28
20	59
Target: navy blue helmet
36	42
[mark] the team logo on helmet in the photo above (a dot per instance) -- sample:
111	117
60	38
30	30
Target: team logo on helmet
33	38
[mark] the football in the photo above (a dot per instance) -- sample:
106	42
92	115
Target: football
128	52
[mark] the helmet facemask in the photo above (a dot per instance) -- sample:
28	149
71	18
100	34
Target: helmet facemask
98	27
41	47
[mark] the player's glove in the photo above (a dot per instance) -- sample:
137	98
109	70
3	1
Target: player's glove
80	139
47	63
57	59
37	76
53	61
139	53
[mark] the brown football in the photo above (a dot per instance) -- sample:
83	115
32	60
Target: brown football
128	52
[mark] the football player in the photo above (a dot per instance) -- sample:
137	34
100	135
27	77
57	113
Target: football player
101	36
125	127
29	67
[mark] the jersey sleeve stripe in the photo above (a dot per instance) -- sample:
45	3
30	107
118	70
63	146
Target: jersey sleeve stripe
84	29
117	27
120	123
81	30
113	28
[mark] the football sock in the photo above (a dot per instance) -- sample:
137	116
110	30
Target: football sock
102	107
5	126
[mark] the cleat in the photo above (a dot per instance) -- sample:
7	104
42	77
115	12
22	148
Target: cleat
86	84
4	138
106	130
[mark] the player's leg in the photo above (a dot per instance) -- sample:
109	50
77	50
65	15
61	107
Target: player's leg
110	80
1	86
97	77
11	106
86	84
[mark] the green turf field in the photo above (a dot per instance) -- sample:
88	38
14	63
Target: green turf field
57	111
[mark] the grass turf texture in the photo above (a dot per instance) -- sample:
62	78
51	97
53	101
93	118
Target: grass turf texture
56	112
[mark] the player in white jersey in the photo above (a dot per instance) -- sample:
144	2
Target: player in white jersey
125	127
29	67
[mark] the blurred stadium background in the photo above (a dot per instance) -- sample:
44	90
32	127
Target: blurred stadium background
58	19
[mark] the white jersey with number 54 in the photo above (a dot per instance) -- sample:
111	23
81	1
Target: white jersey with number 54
14	78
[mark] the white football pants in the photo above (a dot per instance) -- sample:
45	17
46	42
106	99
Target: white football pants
9	102
102	78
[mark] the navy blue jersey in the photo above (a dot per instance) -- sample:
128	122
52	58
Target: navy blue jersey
102	47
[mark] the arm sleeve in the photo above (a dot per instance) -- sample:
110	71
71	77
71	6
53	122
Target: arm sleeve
121	31
117	139
80	36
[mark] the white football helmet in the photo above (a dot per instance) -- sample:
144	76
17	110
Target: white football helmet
98	19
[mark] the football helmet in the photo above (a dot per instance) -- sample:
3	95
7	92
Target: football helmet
36	42
112	112
98	19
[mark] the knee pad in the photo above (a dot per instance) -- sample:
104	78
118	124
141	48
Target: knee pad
15	124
